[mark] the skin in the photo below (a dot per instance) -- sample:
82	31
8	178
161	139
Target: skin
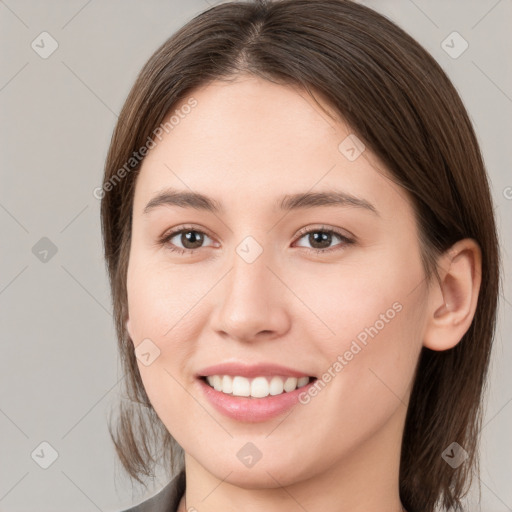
245	144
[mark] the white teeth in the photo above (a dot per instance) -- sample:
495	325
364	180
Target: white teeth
290	384
259	387
302	381
227	384
276	386
241	386
217	382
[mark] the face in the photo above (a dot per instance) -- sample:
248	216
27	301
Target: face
328	291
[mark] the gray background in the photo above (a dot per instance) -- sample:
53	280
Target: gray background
59	367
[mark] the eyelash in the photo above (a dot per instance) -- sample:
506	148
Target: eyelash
303	232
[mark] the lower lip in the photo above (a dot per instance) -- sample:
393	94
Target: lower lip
252	410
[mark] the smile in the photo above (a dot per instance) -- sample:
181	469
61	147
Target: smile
258	387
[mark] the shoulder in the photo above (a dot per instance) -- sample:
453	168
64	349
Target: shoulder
166	500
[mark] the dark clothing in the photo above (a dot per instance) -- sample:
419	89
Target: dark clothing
167	500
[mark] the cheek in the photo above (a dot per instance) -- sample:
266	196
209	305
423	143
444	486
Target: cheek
162	317
368	322
159	298
353	299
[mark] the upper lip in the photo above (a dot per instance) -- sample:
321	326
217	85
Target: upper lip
249	371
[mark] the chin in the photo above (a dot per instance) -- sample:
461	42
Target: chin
262	475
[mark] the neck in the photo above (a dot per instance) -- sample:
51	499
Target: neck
364	480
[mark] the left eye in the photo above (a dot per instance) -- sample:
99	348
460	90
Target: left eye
324	236
316	236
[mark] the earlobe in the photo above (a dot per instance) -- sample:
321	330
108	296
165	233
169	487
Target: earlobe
452	301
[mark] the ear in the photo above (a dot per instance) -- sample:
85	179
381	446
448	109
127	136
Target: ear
452	301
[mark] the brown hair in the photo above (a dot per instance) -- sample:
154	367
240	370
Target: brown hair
397	99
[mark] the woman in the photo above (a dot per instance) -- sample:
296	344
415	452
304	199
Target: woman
304	266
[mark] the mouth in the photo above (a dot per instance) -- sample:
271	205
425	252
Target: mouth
256	387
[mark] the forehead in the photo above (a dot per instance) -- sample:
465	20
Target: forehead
245	140
239	119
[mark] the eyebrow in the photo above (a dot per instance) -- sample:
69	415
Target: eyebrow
288	202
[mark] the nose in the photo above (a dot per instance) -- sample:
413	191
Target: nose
253	301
